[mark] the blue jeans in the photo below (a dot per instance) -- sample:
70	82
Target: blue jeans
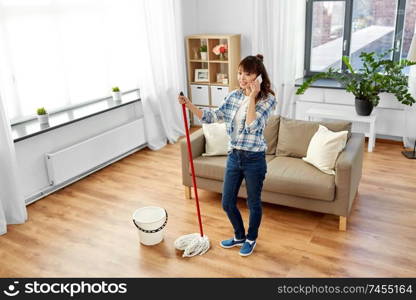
253	168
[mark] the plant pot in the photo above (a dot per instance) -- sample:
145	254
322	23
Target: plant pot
43	119
363	107
204	55
116	96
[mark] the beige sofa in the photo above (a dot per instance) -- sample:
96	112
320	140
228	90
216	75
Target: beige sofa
289	181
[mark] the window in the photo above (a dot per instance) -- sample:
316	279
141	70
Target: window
327	34
60	54
336	28
409	26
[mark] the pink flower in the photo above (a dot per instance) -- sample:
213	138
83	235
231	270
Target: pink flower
221	48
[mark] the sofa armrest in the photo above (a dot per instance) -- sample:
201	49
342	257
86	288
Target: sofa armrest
197	139
348	170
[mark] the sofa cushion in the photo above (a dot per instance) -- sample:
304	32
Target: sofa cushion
271	132
216	139
293	176
213	167
295	135
324	149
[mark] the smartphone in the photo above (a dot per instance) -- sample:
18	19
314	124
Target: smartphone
259	79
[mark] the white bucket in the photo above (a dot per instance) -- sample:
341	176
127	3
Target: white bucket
150	222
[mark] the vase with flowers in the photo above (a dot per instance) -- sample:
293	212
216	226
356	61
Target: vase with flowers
221	51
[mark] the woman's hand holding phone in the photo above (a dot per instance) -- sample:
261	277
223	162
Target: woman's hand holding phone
255	86
259	79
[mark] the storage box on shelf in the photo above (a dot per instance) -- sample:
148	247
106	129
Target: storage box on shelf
210	90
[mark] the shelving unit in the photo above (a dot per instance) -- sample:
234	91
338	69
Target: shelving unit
211	92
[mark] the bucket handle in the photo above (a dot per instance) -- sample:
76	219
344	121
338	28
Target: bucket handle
154	230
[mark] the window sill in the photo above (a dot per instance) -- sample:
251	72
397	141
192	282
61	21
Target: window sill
31	128
321	83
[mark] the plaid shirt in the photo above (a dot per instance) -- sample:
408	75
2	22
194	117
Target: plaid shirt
249	137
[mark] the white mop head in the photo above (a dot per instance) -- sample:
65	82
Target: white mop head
192	244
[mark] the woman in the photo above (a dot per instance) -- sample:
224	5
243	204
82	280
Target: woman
245	112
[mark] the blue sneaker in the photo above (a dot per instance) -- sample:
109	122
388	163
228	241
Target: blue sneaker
232	243
247	248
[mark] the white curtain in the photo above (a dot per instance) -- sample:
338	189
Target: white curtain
410	111
12	205
163	71
56	53
279	34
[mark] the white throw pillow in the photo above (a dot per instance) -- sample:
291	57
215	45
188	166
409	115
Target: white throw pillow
216	139
324	148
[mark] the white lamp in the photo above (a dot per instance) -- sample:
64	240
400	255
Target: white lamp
412	57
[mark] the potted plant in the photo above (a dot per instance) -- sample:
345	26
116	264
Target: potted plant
203	51
116	94
43	116
376	76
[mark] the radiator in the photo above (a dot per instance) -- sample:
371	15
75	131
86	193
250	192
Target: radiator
84	156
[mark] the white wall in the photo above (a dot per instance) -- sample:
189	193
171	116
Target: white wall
220	16
189	17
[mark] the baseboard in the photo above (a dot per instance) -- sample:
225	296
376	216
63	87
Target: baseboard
387	140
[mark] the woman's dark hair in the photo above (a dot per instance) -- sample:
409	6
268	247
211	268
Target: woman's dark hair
254	65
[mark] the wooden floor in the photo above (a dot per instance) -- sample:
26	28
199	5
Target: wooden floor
85	229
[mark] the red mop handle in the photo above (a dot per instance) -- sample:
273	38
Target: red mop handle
188	140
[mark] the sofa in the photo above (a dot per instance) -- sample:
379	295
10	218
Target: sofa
289	181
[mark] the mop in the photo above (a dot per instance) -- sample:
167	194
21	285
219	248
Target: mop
195	243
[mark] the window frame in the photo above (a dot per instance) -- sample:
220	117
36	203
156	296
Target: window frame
397	41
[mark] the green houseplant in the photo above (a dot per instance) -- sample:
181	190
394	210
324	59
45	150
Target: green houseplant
116	93
376	76
203	50
43	115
